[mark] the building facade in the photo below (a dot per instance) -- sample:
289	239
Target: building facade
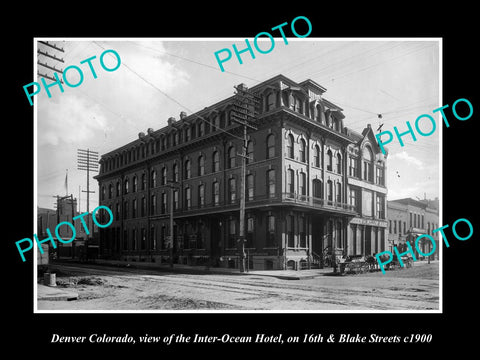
408	219
313	187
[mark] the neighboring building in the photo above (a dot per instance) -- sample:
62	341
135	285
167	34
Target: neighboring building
49	219
312	185
408	219
367	191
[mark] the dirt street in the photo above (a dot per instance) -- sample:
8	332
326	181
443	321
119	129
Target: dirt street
104	288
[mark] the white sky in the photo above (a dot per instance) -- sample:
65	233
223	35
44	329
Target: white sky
398	79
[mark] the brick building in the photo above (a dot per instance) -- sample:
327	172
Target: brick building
408	219
313	187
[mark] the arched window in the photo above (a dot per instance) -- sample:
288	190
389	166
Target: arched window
296	104
316	156
367	164
270	146
110	191
215	123
188	169
134	208
339	163
201	128
164	175
290	148
118	188
317	188
231	157
134	184
271	100
201	165
175	138
302	150
329	160
153	179
125	187
175	172
216	161
143	206
250	158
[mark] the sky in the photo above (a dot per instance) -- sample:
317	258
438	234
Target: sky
159	78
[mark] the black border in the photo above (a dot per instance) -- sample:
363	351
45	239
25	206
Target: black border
455	25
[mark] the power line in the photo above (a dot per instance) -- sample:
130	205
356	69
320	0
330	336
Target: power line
380	63
195	62
173	99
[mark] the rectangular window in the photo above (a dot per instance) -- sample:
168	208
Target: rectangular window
163	237
353	195
153	241
250	231
188	198
380	176
134	239
201	195
134	208
153	204
271	183
353	167
143	206
143	239
232	190
250	187
303	184
125	239
271	231
216	193
290	182
290	231
232	232
380	207
302	227
163	205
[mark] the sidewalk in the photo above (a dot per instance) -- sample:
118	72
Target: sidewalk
190	269
50	293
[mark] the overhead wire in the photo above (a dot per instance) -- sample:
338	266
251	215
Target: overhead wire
173	99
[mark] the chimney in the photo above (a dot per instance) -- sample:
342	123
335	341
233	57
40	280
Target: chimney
171	121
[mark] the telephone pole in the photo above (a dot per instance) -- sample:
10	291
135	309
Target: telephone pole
87	160
245	109
52	55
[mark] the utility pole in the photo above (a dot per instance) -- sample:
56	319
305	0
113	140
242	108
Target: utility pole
171	248
87	160
244	110
45	53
